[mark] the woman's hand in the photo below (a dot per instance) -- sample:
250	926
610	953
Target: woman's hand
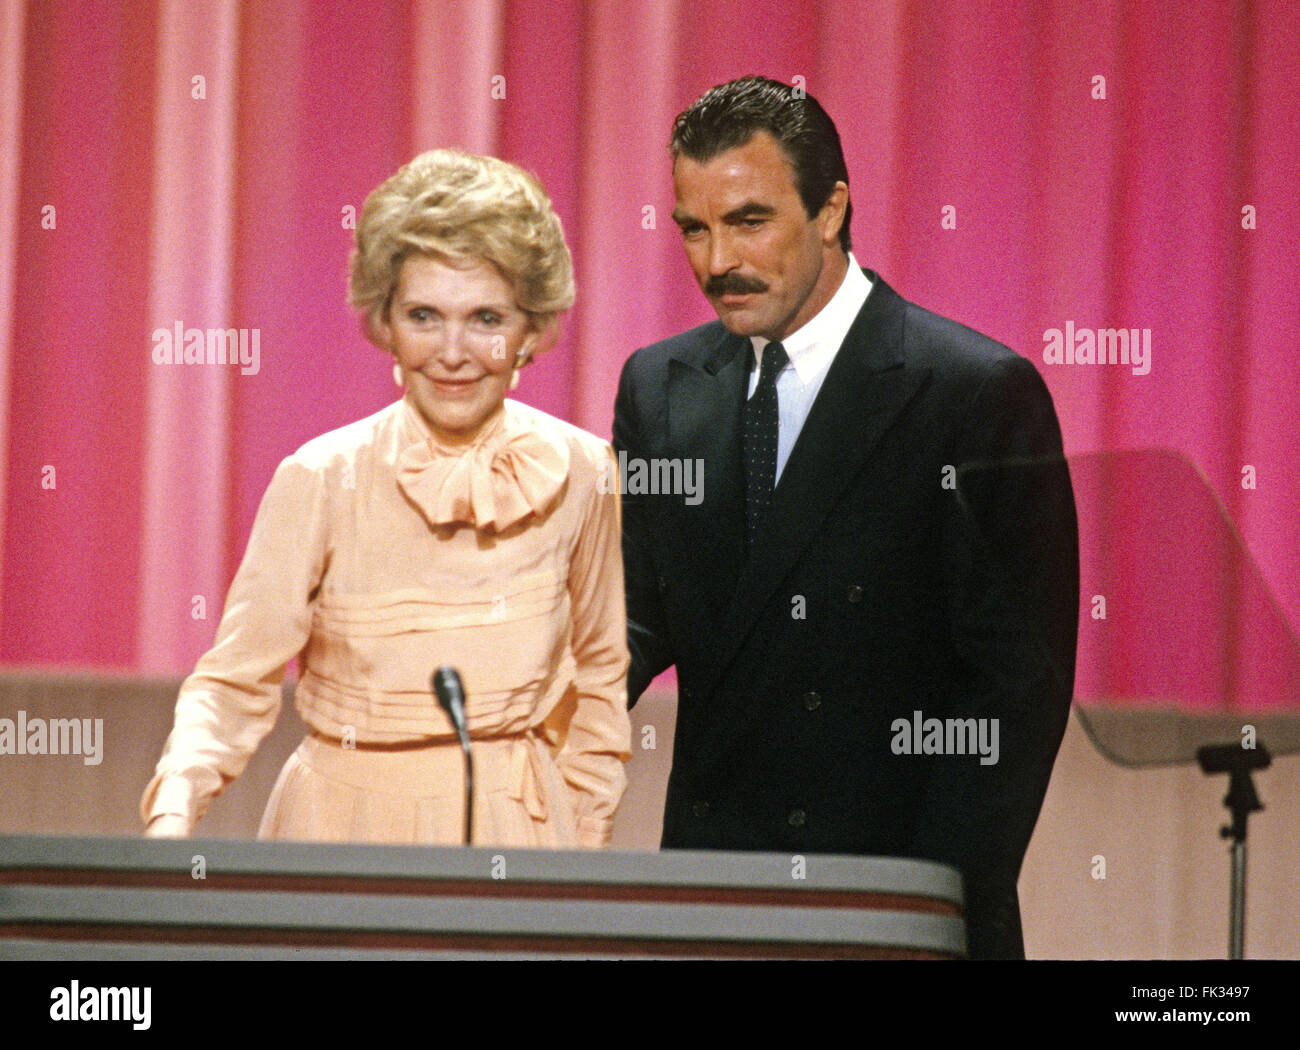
168	826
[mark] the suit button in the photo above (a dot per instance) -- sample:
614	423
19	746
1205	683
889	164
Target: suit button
797	818
685	694
854	594
663	584
700	809
812	701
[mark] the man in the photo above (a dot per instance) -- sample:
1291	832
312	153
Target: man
886	535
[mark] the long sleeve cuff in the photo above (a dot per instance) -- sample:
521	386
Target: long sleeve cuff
173	794
594	832
598	782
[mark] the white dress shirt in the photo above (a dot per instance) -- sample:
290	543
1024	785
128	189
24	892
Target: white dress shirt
811	350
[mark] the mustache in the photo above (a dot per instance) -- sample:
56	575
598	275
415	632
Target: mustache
732	284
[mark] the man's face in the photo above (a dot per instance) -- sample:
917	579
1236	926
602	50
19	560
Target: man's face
756	254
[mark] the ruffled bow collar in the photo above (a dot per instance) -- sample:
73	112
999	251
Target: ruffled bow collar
507	473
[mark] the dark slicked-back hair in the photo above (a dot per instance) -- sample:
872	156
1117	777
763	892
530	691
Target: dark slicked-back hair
731	114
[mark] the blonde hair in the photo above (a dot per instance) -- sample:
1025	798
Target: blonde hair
462	207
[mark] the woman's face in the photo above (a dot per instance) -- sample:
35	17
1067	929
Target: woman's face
456	333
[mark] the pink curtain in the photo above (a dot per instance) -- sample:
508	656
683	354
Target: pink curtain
1016	166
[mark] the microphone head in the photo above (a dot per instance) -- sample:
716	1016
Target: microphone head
449	690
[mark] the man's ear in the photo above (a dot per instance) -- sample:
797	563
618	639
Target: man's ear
831	217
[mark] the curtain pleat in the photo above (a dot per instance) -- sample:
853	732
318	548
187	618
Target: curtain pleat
1016	167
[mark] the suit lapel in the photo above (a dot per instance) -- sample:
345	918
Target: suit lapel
705	397
865	389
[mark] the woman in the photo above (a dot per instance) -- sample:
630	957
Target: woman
455	527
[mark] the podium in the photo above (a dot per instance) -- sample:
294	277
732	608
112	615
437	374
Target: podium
74	898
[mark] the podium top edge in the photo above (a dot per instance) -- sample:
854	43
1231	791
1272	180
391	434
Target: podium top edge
700	869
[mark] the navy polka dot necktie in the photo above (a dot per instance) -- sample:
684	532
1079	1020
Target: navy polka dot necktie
761	424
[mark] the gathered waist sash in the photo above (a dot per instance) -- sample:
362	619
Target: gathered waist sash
394	745
515	762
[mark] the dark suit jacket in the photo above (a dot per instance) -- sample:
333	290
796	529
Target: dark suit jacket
878	589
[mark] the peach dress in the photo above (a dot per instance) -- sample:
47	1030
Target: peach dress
379	554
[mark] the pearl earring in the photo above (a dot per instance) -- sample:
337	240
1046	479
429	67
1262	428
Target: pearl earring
397	374
521	359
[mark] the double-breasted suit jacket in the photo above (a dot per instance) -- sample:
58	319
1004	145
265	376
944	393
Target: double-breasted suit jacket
920	555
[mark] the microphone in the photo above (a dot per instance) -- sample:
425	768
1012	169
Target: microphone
451	698
451	694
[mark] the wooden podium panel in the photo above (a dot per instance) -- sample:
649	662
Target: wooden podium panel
66	897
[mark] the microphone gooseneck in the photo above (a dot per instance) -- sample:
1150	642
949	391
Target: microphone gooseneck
450	692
